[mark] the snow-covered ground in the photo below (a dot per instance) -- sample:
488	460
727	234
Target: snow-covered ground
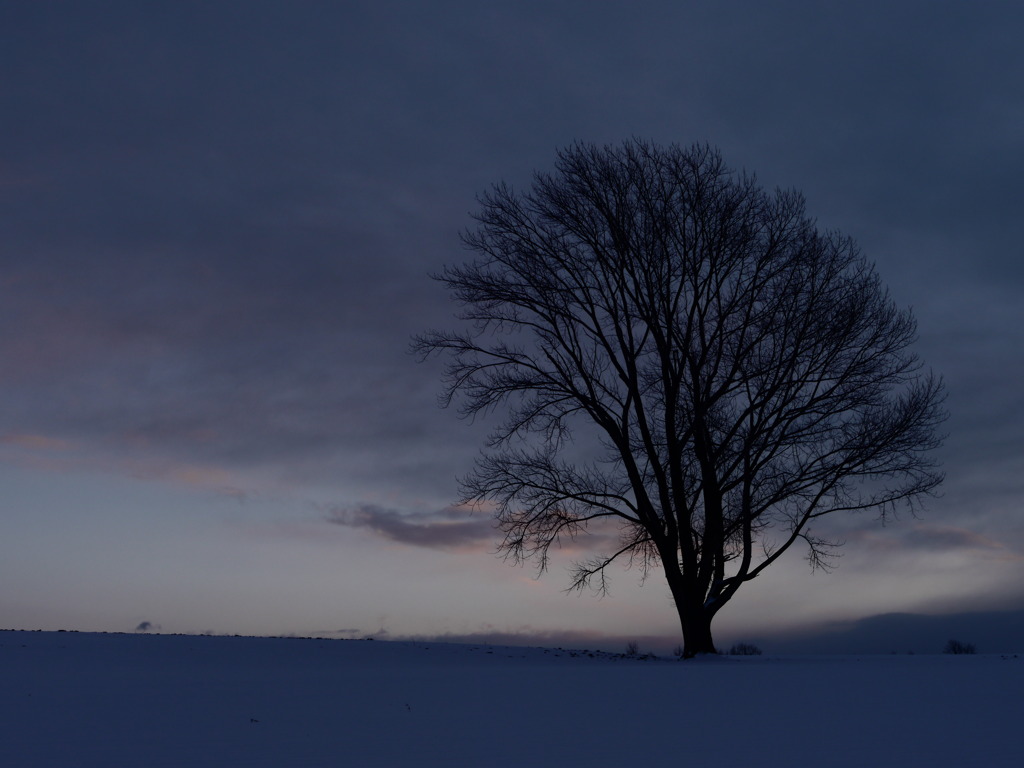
71	699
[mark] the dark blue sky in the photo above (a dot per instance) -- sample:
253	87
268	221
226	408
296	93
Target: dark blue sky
217	224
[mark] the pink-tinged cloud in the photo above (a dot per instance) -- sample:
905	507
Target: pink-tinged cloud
51	454
35	442
923	536
448	528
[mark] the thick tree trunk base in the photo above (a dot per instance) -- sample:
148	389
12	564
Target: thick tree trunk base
694	617
697	639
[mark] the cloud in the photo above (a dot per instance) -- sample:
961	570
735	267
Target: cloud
991	631
344	633
448	528
215	286
35	442
934	538
456	527
947	537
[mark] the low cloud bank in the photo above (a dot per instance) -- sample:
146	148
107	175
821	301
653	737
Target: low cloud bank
988	631
570	639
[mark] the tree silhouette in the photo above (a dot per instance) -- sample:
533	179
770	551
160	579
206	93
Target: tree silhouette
737	373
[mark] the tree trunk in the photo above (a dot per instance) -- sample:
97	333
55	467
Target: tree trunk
697	635
696	624
694	618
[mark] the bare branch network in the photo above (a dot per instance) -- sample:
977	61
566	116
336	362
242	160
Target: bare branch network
745	371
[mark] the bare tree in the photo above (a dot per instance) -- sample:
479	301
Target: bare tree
745	374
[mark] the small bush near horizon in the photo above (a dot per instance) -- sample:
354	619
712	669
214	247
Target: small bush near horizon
678	651
956	647
744	649
632	648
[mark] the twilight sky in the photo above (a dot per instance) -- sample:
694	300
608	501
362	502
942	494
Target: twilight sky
217	222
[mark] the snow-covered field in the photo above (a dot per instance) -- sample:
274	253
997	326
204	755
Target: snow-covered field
71	699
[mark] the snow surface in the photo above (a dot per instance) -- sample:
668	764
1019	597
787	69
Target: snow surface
75	699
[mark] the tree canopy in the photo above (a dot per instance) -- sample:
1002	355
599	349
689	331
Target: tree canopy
744	372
